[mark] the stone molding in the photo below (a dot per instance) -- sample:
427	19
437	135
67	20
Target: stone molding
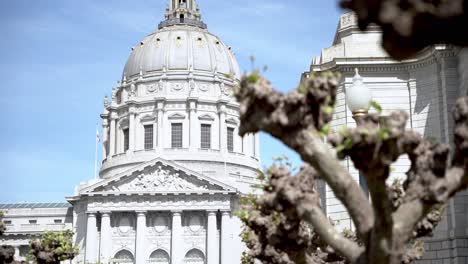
167	203
348	65
99	188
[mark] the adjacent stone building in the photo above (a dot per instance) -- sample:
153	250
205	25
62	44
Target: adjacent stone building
426	87
173	164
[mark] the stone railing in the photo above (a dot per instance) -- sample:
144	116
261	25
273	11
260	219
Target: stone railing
182	21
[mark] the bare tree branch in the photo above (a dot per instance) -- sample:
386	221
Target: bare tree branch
296	119
410	26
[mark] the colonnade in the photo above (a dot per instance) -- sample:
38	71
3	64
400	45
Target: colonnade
113	143
99	249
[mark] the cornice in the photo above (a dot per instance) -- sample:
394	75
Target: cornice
170	193
184	75
367	64
176	167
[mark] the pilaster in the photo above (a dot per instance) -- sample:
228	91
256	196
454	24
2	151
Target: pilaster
222	128
160	134
131	127
193	126
105	138
112	135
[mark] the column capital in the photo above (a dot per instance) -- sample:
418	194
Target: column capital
106	213
176	213
141	213
113	116
222	108
226	212
211	212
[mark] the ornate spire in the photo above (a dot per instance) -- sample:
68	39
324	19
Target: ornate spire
182	12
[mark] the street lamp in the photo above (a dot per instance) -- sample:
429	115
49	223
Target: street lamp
358	97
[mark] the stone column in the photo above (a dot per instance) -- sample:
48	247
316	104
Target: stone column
131	130
176	238
140	245
106	237
91	239
160	106
193	127
211	243
105	138
17	252
112	139
225	240
222	128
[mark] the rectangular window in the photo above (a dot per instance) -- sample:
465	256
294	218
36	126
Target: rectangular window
32	222
230	139
148	136
176	135
7	222
57	221
126	139
205	136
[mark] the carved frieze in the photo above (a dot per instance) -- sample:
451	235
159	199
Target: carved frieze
152	88
203	87
177	87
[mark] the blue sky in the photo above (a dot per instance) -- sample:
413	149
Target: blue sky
58	58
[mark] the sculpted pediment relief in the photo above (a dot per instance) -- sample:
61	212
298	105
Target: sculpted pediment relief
206	117
159	176
160	179
177	116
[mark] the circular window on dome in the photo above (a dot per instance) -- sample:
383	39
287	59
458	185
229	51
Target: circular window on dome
195	223
160	224
124	224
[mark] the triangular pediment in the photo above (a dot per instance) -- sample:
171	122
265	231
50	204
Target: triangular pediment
159	176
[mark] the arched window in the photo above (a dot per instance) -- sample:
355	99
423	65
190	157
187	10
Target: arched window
123	256
194	256
160	257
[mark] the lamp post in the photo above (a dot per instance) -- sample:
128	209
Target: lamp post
358	97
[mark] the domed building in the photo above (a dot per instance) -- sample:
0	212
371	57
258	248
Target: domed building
173	164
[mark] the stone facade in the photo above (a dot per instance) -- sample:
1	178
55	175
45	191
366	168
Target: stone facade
426	87
173	165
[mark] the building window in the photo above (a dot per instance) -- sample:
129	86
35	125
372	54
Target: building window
7	222
57	221
149	136
176	137
230	139
32	222
205	136
126	138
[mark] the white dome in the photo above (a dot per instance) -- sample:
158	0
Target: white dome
181	48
